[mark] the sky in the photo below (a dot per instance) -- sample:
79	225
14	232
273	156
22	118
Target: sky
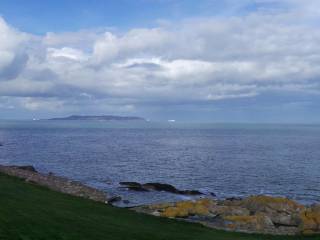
205	60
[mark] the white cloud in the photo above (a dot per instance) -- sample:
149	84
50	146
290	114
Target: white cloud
195	60
11	42
67	53
48	104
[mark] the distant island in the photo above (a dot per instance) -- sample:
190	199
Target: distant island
100	118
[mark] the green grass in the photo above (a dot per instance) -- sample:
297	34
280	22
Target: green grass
29	212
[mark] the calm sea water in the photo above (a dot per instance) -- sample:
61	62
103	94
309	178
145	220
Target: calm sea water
227	159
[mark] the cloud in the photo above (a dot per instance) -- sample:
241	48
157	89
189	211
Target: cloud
66	53
192	61
36	104
12	57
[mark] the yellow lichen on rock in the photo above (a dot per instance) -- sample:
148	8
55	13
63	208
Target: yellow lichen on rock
188	208
206	202
310	220
255	214
161	206
174	212
201	210
307	224
259	222
185	205
314	214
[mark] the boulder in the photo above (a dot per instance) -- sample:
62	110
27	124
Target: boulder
162	187
258	223
134	186
282	211
212	194
130	184
234	201
190	192
229	210
266	203
175	212
114	199
184	209
310	220
250	223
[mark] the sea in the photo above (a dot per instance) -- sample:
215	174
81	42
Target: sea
229	160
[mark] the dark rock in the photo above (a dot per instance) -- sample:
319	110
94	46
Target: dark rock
161	187
134	186
126	201
114	199
190	192
212	194
138	189
27	168
233	199
130	184
1	144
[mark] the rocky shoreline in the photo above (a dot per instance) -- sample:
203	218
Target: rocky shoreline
254	214
55	183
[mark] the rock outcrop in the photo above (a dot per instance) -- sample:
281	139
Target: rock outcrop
255	214
135	186
282	211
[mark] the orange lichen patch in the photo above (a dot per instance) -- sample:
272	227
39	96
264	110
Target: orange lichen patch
310	221
258	222
200	210
187	208
206	202
174	212
185	205
307	223
160	206
315	215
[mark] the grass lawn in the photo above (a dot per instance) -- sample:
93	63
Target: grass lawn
29	212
